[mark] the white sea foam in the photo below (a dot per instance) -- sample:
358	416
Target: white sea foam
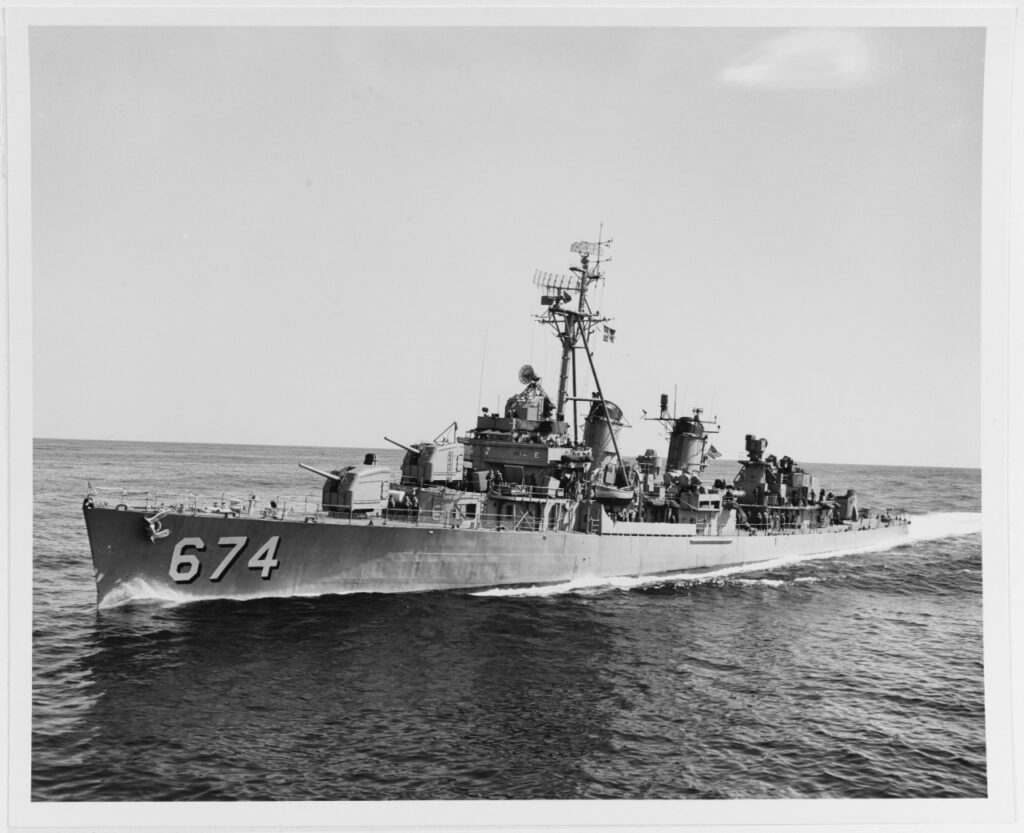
937	525
140	590
761	582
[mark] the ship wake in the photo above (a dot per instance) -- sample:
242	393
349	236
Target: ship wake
936	525
138	591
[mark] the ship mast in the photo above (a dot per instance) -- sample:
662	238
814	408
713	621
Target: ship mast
574	331
573	326
568	323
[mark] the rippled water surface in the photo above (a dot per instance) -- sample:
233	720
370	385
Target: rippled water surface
849	676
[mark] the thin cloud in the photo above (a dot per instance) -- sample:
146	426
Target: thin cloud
805	59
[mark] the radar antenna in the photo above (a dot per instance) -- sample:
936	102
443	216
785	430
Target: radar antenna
527	375
555	283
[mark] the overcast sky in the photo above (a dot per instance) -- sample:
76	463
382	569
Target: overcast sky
318	236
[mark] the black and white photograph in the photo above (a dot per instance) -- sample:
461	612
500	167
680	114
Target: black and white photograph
491	416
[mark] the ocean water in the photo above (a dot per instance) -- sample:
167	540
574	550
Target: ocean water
850	676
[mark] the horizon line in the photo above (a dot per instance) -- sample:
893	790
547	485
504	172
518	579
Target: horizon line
389	448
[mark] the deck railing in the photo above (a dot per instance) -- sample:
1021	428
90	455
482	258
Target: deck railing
194	503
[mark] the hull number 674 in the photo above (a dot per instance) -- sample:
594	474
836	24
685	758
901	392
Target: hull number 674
186	566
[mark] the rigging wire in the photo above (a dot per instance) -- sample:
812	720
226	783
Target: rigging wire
483	361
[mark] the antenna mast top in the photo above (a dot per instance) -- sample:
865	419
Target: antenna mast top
572	318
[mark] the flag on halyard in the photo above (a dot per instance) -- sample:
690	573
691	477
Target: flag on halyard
609	333
714	453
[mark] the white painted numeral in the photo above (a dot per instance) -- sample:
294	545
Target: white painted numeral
237	544
186	566
188	560
264	558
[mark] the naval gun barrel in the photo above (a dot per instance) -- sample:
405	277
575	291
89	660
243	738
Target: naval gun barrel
328	475
402	445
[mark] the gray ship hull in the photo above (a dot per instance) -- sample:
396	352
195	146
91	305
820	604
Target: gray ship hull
222	556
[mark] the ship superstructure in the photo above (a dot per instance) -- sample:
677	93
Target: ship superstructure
539	493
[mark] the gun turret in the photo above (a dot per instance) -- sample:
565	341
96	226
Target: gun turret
402	445
328	475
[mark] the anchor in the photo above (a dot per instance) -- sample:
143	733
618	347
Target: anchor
156	529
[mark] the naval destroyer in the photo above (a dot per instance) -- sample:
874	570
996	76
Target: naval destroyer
536	493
